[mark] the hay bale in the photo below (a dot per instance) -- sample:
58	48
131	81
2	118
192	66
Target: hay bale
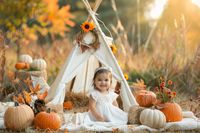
78	99
134	114
191	105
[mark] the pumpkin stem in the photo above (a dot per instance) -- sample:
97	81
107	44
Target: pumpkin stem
160	106
153	107
49	110
16	103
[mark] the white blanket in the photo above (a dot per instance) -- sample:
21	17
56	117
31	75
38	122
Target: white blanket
78	122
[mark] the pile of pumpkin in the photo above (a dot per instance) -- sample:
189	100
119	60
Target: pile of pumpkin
150	111
27	63
21	116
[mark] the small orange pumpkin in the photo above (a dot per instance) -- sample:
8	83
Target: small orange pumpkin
22	65
145	98
47	120
68	105
172	111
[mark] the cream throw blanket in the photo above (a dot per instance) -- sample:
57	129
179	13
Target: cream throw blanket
78	122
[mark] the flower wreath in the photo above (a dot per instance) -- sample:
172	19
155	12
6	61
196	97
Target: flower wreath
88	37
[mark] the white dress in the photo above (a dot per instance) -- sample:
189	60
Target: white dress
104	105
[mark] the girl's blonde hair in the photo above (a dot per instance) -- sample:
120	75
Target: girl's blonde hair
102	70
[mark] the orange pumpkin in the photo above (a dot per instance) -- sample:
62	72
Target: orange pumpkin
18	118
172	111
22	65
45	120
145	98
68	105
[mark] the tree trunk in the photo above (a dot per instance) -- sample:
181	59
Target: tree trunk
18	49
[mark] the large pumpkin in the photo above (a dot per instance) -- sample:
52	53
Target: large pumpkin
45	120
153	118
18	117
172	111
145	98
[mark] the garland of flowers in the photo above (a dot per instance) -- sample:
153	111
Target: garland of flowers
87	27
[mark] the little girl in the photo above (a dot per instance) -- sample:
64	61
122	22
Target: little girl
103	106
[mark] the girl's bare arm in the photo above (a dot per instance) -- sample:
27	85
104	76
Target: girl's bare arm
92	107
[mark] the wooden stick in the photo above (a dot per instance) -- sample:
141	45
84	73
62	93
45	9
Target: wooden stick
96	6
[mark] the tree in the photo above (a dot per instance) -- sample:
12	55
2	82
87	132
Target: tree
23	21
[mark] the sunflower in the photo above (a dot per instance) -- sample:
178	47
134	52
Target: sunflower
113	48
126	76
87	26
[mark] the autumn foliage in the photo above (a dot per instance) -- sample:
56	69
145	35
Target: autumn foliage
24	19
56	17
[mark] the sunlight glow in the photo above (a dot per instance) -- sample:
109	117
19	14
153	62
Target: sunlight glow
196	2
157	8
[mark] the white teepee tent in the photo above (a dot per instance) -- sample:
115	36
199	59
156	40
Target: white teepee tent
77	73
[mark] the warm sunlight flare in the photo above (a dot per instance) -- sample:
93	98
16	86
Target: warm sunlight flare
196	2
157	8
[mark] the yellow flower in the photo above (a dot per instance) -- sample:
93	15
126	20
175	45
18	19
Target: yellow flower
126	76
161	78
87	26
113	48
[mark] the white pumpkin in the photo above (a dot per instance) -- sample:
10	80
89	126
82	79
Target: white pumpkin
25	58
153	118
39	64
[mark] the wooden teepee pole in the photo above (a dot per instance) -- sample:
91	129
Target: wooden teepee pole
96	6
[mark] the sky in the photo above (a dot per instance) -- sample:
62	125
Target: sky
158	6
156	9
197	2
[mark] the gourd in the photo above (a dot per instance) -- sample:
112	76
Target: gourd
152	118
39	64
145	98
25	58
172	111
47	120
18	117
134	114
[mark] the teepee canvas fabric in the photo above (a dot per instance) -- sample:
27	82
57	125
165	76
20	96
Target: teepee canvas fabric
77	73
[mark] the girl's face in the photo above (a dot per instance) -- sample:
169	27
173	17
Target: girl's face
102	81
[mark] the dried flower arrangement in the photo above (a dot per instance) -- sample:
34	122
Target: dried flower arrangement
165	91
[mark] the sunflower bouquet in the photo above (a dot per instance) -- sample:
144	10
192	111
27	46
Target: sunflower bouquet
165	91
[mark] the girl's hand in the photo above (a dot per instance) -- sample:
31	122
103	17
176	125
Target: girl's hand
101	118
